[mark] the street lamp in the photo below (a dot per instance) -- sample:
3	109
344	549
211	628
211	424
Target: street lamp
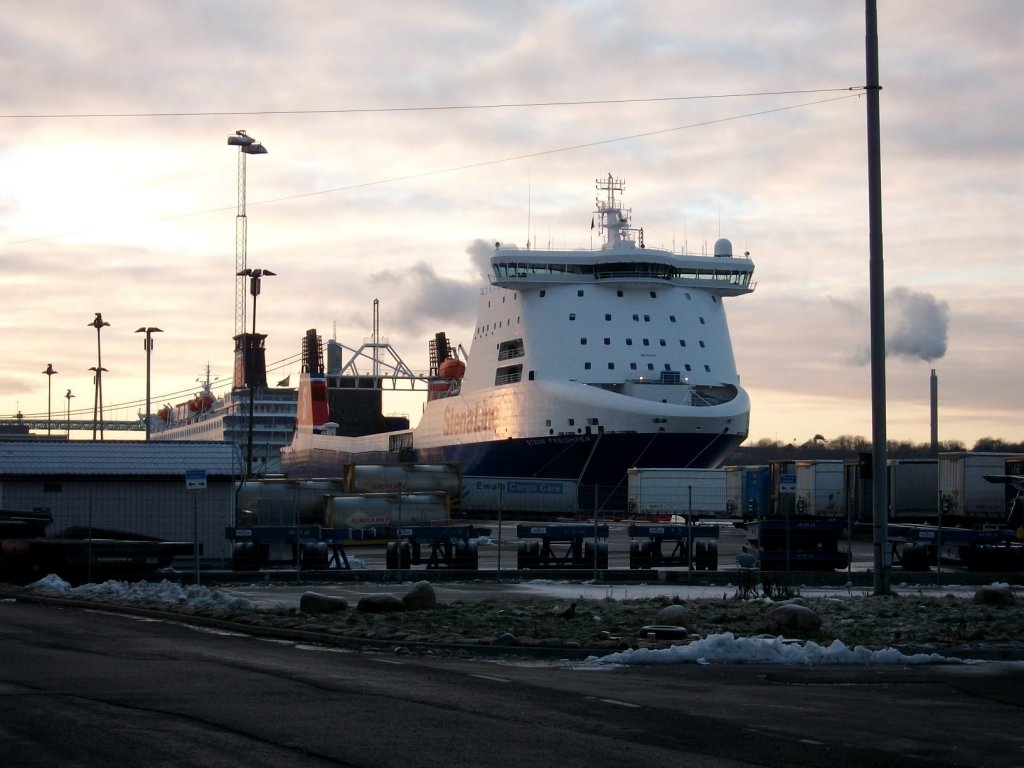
49	390
148	344
254	276
69	396
247	145
98	323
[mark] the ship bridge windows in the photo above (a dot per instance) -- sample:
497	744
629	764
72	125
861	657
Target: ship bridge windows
508	374
511	349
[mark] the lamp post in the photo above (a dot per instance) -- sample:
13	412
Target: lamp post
49	391
148	345
69	396
247	145
254	276
97	407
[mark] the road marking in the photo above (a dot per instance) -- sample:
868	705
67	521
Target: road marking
387	661
618	703
492	678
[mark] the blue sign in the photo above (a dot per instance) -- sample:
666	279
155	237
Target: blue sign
195	479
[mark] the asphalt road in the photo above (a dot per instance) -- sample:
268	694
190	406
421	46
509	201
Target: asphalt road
84	688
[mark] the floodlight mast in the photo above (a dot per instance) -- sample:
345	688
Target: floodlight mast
247	145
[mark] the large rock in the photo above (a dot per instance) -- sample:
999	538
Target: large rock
383	602
792	617
994	595
672	615
314	602
421	596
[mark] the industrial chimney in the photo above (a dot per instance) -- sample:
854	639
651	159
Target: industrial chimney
935	413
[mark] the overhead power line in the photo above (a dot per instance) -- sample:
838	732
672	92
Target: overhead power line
848	93
437	108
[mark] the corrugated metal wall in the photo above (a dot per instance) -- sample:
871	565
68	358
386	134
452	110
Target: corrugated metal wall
151	507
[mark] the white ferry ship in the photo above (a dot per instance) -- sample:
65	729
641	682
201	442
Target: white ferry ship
209	416
582	365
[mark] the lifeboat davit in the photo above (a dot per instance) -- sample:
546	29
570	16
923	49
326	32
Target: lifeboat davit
452	368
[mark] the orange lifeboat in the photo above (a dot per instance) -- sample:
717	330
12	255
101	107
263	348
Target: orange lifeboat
452	368
200	403
164	414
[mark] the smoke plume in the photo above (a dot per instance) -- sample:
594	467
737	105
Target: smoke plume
917	324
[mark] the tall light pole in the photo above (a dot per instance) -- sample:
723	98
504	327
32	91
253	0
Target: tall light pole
97	406
254	276
247	145
148	344
49	391
69	396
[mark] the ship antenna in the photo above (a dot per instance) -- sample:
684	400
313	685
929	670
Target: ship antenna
529	204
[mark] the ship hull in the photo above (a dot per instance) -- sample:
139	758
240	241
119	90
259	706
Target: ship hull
590	459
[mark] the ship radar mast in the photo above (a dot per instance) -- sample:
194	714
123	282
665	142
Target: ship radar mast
614	221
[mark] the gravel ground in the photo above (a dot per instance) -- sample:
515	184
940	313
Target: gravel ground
911	621
606	624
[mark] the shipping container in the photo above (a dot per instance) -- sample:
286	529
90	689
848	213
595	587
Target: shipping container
525	496
819	488
663	494
965	497
748	491
913	489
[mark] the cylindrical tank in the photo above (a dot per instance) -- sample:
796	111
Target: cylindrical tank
412	478
286	502
386	509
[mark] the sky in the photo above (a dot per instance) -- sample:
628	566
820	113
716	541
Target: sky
404	137
724	648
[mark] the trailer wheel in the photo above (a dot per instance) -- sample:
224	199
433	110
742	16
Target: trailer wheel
602	555
917	557
527	555
391	556
706	556
245	557
639	554
405	556
314	556
466	555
